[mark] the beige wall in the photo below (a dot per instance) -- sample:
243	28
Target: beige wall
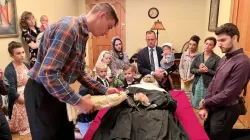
181	18
55	9
224	16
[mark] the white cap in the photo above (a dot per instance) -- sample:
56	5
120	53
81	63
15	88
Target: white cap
168	44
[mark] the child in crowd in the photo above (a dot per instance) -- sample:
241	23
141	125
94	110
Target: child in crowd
44	22
104	57
84	120
168	57
101	73
130	73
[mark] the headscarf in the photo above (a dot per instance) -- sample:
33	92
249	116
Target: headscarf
118	53
100	57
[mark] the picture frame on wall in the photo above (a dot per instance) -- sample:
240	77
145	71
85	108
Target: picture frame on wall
213	15
8	19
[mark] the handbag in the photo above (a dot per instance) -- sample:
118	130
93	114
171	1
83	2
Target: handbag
243	108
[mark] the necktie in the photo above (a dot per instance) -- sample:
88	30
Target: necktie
106	83
152	62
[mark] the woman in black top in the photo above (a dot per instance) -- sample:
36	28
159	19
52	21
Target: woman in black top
29	33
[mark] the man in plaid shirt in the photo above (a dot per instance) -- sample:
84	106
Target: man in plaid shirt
60	62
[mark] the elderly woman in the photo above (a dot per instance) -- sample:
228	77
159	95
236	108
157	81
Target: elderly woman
203	68
118	58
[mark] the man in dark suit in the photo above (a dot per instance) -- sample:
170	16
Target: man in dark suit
149	57
149	61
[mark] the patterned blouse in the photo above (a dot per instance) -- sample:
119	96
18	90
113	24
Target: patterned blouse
117	64
29	36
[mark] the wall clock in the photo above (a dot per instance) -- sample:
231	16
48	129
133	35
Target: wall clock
153	12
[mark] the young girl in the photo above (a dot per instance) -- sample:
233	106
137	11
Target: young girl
30	32
16	74
105	58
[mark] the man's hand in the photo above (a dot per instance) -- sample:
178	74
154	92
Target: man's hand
159	74
203	114
85	105
201	104
112	90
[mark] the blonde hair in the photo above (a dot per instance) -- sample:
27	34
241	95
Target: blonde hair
43	17
131	67
101	66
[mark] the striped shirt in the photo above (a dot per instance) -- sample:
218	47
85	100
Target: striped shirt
61	59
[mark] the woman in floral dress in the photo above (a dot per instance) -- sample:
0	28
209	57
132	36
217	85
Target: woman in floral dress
16	73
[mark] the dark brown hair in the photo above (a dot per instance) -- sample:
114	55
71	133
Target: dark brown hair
196	39
211	38
24	17
13	45
108	9
229	29
130	66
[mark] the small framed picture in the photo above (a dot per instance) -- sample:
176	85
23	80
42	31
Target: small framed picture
8	19
213	15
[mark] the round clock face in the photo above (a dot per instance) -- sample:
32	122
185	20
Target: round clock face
153	12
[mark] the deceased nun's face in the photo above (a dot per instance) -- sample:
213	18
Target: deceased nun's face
149	79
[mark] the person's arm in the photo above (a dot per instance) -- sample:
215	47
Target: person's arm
238	78
125	59
212	72
11	77
141	68
29	39
112	65
181	67
194	69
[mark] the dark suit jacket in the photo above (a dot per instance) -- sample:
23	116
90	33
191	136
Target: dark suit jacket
100	80
136	81
211	64
144	62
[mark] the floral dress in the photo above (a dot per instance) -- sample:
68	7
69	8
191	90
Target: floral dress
19	120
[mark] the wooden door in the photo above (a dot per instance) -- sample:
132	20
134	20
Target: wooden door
240	15
97	44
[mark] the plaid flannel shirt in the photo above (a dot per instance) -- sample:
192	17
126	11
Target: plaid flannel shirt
61	59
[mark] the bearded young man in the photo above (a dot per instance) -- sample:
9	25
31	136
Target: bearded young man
220	108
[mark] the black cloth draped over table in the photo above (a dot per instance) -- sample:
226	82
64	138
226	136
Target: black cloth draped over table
128	121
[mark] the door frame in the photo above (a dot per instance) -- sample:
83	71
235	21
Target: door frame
122	22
